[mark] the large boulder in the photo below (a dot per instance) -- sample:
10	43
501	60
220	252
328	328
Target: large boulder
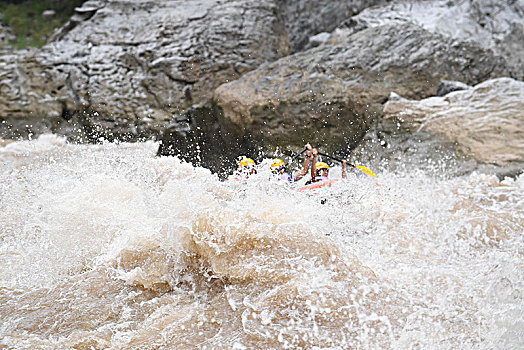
492	24
305	19
330	95
484	122
122	69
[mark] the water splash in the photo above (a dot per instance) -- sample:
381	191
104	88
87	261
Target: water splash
107	246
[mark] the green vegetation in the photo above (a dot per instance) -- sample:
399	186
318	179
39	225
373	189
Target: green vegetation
31	28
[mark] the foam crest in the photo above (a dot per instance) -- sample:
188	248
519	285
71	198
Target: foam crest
108	246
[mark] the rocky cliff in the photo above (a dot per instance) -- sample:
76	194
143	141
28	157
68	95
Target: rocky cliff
122	69
331	94
213	79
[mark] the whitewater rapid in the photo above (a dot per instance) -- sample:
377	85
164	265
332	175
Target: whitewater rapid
110	247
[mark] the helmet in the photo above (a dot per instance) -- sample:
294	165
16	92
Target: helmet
277	163
322	165
246	162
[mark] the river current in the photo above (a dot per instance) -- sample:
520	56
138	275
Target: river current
110	247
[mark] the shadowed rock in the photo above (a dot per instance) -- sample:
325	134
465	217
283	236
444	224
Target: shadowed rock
329	95
305	19
200	136
447	86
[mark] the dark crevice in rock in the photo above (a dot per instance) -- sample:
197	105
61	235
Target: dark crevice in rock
72	90
447	86
66	114
179	80
130	44
151	93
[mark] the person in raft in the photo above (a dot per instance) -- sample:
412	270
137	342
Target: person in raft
320	170
278	167
246	168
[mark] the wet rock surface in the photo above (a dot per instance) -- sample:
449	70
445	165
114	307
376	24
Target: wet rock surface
481	125
124	69
305	19
495	25
330	95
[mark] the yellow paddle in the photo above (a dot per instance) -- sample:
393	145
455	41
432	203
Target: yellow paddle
359	167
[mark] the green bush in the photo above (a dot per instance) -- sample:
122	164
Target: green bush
28	24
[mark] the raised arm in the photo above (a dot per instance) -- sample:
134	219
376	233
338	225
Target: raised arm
314	165
297	175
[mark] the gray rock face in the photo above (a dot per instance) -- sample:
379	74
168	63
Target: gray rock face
217	71
477	129
329	95
484	122
122	69
307	18
492	24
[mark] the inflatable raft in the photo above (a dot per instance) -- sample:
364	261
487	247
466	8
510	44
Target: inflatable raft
313	188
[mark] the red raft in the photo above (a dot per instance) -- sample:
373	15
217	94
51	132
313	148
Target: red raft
312	188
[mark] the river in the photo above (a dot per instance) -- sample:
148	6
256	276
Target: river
110	247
